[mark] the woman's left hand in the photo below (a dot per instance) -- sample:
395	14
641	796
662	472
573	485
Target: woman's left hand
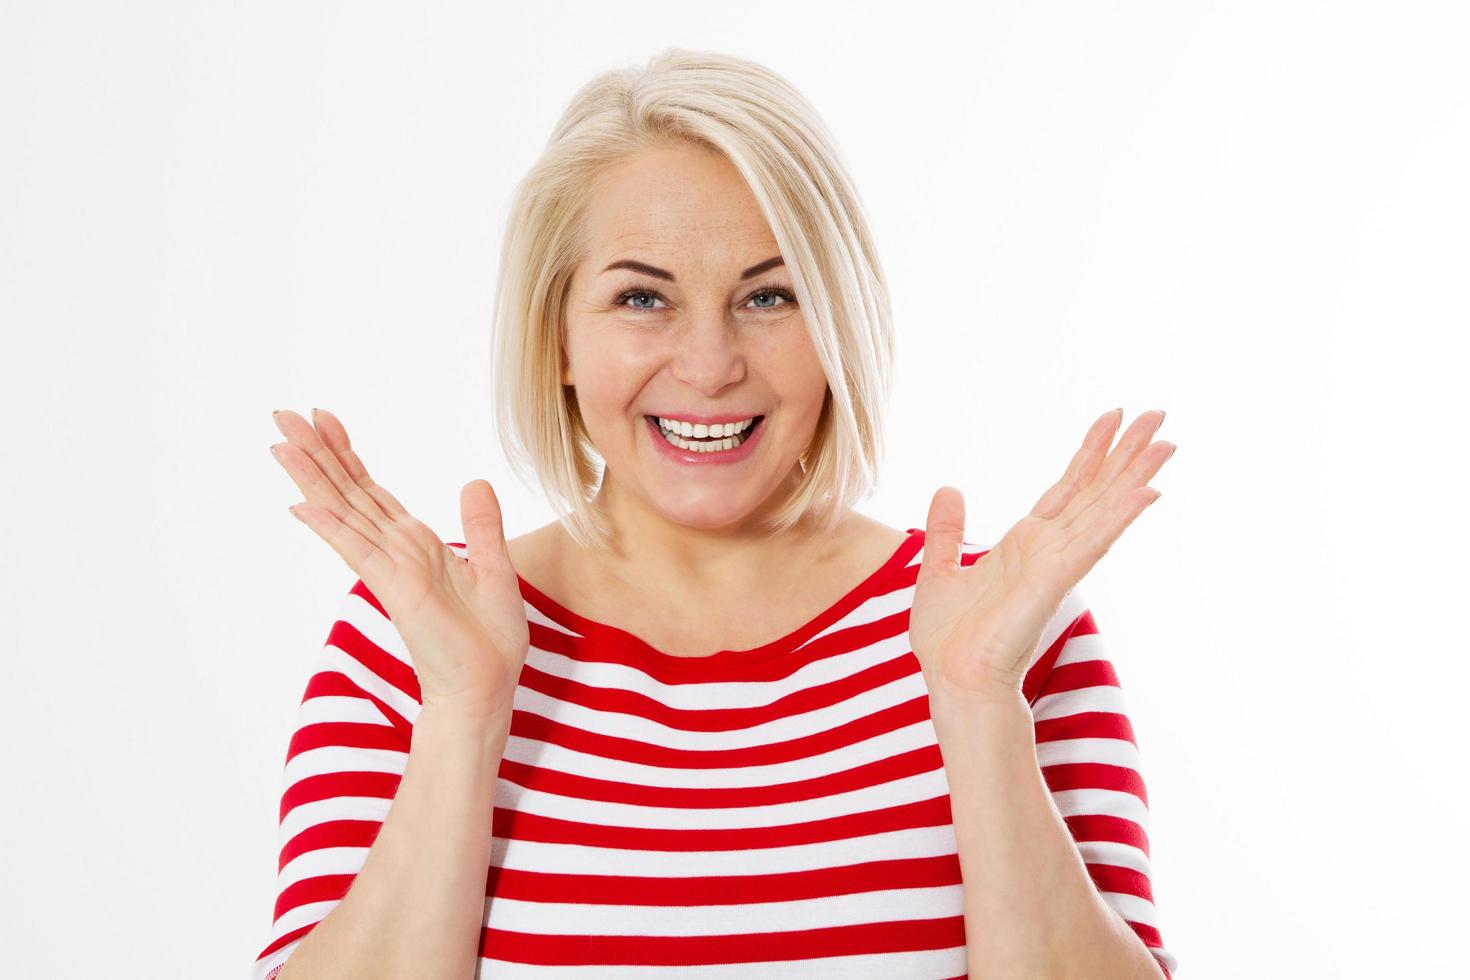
974	628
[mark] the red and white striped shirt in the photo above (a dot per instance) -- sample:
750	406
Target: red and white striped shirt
776	812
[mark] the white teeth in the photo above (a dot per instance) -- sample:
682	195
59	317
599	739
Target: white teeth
704	438
691	431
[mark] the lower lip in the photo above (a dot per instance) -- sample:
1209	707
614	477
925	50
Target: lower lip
673	452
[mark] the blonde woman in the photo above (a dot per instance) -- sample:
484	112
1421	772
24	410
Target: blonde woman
712	721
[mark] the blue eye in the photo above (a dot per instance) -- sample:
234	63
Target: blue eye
624	297
773	292
640	292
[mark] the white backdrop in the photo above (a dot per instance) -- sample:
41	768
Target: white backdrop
1251	214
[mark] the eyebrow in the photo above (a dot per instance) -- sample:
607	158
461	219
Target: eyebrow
657	273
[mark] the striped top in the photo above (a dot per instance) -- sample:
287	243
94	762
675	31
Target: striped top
780	811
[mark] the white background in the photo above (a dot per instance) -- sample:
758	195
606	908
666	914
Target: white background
1250	214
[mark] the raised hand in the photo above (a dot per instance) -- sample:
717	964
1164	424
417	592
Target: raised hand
463	620
975	628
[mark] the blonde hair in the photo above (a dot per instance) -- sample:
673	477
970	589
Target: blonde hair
777	142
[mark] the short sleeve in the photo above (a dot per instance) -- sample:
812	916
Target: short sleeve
1089	758
343	764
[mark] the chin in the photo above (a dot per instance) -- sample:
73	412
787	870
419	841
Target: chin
708	516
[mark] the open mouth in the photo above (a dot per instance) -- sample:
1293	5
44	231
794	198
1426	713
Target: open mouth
706	443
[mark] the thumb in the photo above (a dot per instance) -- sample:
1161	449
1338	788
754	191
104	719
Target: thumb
484	530
944	532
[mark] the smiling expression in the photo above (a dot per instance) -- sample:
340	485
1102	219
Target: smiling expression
682	310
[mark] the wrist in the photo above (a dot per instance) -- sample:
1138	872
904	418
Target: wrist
999	702
477	721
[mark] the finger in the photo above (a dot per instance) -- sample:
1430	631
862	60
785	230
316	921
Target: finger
1087	548
1143	468
484	529
1101	524
334	434
1133	441
318	490
302	434
366	561
944	532
1085	463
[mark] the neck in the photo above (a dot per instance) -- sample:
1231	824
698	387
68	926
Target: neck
647	547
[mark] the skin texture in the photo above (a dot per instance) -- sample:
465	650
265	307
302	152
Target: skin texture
686	539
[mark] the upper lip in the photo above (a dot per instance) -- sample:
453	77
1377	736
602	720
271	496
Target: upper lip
720	419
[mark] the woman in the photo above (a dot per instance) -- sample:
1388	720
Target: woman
926	771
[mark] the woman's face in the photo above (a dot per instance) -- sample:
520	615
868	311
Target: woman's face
705	329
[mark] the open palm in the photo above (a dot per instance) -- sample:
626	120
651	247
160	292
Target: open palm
462	619
975	628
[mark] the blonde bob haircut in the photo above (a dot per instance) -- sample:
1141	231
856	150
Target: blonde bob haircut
777	142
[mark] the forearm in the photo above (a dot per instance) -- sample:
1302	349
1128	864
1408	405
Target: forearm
1031	909
416	908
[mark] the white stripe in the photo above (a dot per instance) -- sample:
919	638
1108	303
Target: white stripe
559	758
1114	854
587	919
1101	803
323	861
639	729
868	966
871	610
574	859
343	758
1132	908
303	915
1102	697
897	792
334	708
335	659
1082	647
1107	751
722	694
307	815
377	628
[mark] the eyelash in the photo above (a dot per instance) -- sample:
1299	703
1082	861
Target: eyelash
626	294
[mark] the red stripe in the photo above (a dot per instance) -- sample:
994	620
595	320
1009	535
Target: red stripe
867	938
1076	676
327	785
322	888
916	762
525	724
332	683
1094	775
1128	881
777	661
1098	827
1085	724
346	637
638	704
330	833
591	889
517	825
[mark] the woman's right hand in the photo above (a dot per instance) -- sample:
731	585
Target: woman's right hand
463	620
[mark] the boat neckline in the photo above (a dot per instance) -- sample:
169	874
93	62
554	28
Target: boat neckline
624	640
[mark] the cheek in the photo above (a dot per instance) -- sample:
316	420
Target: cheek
795	370
608	376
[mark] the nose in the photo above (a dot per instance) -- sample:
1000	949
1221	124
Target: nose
708	353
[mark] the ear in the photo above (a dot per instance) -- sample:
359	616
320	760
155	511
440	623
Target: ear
566	367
